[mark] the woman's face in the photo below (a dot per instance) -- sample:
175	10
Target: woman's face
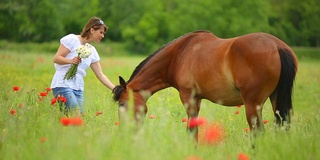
97	35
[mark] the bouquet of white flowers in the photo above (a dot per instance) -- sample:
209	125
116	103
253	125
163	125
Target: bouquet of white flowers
83	51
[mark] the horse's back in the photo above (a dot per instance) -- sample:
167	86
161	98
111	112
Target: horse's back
220	69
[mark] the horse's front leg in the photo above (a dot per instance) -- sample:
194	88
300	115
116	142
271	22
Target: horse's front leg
192	106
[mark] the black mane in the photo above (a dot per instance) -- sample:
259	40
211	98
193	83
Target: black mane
138	68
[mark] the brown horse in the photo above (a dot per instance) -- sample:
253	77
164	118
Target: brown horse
242	70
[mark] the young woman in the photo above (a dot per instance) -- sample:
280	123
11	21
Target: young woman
66	56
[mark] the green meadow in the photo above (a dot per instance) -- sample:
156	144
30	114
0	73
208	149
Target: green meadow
34	130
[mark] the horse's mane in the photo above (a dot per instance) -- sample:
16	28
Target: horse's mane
138	68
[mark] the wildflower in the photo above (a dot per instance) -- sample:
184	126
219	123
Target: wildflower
152	116
236	112
53	101
83	51
13	112
65	121
48	89
239	106
184	120
98	113
247	130
116	123
76	121
20	105
193	158
242	156
16	88
40	59
212	134
43	94
43	139
62	99
195	122
265	121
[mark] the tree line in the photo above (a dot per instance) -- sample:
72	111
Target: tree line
144	25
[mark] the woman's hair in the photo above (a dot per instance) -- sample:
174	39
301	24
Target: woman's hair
95	23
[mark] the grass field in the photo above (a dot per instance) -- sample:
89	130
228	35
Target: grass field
30	128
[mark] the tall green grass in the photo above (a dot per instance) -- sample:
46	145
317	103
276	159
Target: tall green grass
35	131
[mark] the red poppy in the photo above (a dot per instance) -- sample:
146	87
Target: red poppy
43	139
239	106
247	130
13	112
98	113
193	158
65	121
236	112
212	134
152	116
16	88
40	59
20	105
53	101
242	156
116	123
48	89
265	121
76	121
184	120
198	121
62	99
43	94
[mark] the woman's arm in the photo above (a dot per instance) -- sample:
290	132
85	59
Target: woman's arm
96	68
60	57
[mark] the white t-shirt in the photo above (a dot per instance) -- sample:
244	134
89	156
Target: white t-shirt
71	41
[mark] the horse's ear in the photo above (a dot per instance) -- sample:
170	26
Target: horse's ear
122	82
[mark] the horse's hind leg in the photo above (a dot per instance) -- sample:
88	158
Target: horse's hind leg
254	116
254	103
280	121
254	119
273	100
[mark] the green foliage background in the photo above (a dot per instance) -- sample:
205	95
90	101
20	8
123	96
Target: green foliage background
143	25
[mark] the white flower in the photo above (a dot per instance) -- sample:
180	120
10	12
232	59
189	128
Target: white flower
84	51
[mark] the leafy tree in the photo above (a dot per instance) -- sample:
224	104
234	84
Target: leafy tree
30	20
145	25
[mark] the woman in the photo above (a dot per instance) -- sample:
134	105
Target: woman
66	55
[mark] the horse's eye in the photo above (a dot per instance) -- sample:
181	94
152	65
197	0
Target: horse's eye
121	104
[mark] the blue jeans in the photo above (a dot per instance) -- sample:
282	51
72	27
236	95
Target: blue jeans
74	98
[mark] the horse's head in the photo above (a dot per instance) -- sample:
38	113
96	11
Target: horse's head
130	99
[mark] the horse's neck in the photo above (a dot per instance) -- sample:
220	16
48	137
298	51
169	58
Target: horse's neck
152	76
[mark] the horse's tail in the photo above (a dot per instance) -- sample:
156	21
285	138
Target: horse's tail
285	85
